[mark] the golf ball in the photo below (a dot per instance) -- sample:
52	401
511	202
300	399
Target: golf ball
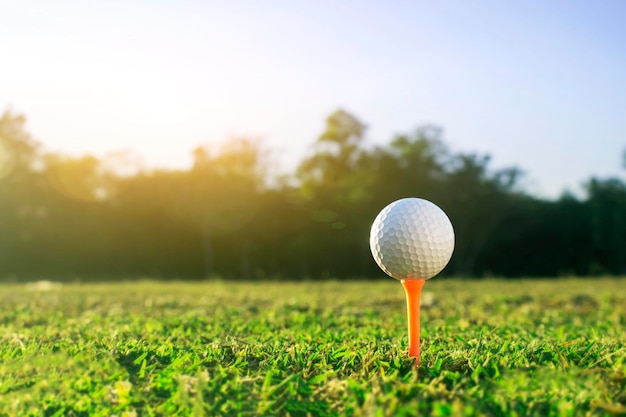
412	238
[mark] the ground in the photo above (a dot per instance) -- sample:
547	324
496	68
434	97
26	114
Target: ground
490	347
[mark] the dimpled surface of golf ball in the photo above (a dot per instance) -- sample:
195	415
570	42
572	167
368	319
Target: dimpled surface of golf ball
412	238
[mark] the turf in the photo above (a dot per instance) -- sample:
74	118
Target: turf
152	349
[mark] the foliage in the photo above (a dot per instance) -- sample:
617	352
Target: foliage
78	218
532	348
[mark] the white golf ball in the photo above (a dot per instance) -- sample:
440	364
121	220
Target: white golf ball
412	238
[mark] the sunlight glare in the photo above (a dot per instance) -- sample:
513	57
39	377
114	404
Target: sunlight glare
79	179
154	98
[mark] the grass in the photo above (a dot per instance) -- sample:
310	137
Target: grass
545	348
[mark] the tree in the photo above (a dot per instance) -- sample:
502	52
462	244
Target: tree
18	151
410	165
480	204
607	200
83	178
21	191
220	194
88	217
336	153
336	182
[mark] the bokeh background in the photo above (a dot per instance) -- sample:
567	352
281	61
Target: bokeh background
192	140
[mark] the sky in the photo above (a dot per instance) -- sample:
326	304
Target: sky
535	84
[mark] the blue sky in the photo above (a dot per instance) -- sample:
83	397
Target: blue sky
540	85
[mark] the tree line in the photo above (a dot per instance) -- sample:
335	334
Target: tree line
80	218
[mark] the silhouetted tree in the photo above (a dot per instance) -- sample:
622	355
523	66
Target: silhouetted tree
336	183
480	205
81	217
607	200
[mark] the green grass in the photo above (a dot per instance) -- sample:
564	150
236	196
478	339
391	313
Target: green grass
151	349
